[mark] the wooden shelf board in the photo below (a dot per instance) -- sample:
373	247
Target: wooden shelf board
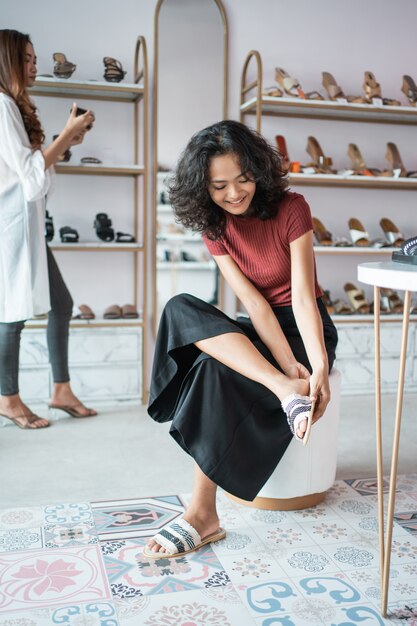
91	246
329	110
101	170
87	89
352	251
369	182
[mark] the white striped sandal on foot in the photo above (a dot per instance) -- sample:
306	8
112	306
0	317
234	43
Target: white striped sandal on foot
298	408
180	538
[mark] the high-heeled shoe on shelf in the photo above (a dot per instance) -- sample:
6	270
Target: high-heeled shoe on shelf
335	91
372	90
282	149
392	234
409	88
113	70
320	162
396	165
292	87
359	166
63	68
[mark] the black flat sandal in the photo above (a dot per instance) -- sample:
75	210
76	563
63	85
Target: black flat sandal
68	234
124	238
102	224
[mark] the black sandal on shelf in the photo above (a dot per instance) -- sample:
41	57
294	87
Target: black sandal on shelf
102	224
113	70
90	160
68	234
63	68
49	227
124	238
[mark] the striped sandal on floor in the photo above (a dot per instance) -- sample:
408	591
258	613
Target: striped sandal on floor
180	538
298	408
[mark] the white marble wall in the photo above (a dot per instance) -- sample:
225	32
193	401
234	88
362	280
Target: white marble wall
355	357
105	363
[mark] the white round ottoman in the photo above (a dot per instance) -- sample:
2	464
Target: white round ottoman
304	474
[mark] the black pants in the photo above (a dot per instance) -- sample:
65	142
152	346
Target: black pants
233	427
57	335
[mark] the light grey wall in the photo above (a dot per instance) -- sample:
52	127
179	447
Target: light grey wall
304	37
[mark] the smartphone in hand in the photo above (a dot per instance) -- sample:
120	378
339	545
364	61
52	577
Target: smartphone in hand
81	111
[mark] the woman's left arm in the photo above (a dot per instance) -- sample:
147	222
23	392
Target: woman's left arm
308	319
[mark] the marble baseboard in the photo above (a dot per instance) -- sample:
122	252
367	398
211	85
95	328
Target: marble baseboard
105	364
355	358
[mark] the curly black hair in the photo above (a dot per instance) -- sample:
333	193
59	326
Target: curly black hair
188	188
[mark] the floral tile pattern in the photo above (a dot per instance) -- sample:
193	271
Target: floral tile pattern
82	564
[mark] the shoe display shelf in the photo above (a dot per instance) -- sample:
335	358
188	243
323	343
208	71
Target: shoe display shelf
355	348
198	274
107	357
257	104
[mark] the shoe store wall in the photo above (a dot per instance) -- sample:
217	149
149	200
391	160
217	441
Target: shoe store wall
303	37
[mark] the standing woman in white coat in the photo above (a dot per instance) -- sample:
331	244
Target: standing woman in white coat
30	281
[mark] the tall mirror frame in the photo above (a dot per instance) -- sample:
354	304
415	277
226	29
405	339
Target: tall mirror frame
155	112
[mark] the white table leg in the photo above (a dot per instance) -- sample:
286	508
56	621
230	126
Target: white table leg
394	461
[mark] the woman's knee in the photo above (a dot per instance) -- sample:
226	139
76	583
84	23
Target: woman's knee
178	302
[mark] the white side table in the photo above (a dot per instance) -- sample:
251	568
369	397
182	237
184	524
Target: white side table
404	277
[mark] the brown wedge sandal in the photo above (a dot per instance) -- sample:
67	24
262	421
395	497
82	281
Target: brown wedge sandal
357	299
322	235
396	165
63	68
341	307
372	91
392	233
358	162
335	91
321	163
358	234
282	149
409	88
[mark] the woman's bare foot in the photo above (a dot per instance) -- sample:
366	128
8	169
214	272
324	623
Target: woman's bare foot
14	409
290	386
205	524
63	397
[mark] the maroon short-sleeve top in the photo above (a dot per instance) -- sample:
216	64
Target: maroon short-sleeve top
261	248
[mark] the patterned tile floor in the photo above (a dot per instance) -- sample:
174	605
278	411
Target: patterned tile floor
81	564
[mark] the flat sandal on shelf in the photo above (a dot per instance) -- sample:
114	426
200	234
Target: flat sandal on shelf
357	299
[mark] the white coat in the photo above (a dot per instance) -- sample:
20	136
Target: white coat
24	284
